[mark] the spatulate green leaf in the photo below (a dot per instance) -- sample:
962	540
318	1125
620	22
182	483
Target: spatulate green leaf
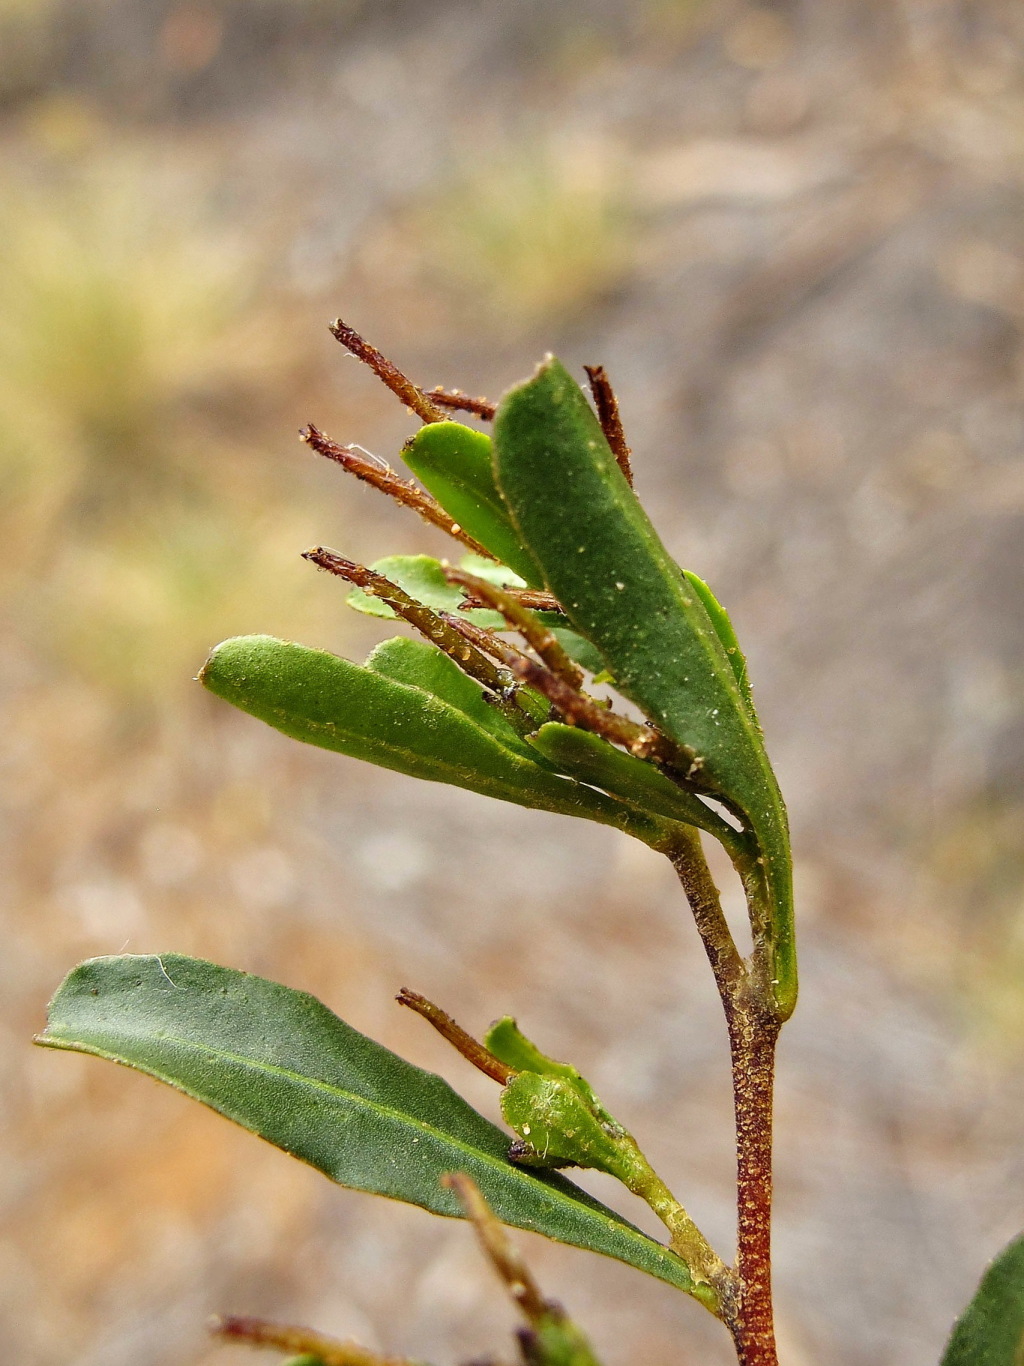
620	589
508	1042
409	709
279	1063
590	759
454	463
990	1332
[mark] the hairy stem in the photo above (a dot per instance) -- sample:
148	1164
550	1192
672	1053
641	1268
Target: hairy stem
753	1033
729	969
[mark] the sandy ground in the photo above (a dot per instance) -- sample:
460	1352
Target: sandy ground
793	235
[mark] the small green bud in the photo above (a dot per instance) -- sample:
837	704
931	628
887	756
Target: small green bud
559	1119
555	1341
558	1126
561	1123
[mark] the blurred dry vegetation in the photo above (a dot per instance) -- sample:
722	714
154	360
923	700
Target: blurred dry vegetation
794	233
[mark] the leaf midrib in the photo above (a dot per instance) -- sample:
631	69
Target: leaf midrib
614	1222
399	751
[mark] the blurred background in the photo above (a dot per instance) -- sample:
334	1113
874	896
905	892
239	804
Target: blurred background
794	233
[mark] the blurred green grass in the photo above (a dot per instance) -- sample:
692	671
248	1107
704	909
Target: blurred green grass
526	235
135	360
188	190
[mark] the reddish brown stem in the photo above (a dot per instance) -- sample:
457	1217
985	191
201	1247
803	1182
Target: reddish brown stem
400	385
753	1034
608	415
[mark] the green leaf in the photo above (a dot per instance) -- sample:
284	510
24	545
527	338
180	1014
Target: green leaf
990	1332
554	1110
620	589
279	1063
589	759
409	709
454	463
726	634
417	664
558	1127
510	1045
575	646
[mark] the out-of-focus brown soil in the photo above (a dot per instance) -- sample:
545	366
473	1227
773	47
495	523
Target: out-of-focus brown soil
793	235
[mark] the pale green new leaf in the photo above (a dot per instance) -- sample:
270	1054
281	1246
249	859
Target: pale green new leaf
423	579
279	1063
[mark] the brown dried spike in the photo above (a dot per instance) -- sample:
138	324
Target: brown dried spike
286	1337
381	477
400	385
496	1244
535	598
580	710
435	627
451	398
488	641
536	634
471	1049
425	619
608	415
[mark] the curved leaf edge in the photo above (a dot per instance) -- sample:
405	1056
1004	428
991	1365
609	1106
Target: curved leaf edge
650	1256
990	1331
